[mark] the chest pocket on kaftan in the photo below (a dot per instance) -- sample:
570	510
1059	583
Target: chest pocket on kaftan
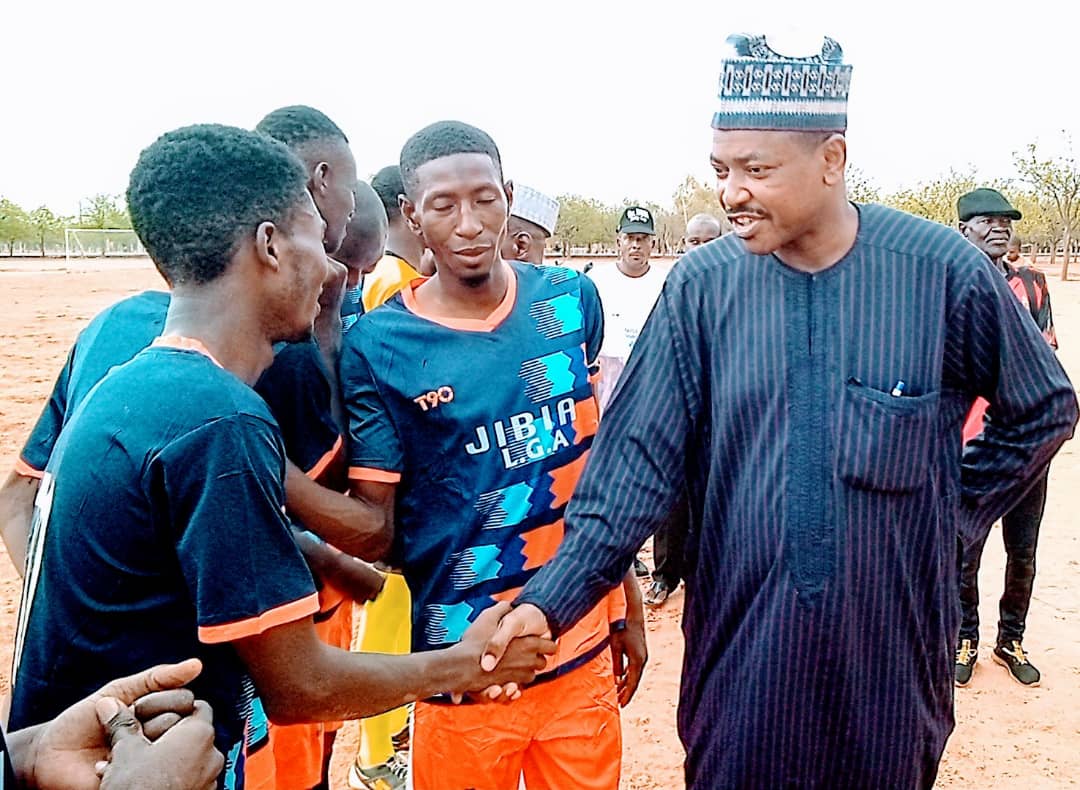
884	442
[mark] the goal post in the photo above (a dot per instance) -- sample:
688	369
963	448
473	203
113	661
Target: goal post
101	243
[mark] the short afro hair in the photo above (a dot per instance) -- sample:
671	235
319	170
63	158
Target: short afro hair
387	185
444	138
197	193
299	125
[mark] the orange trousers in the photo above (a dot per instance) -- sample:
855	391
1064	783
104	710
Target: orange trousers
564	733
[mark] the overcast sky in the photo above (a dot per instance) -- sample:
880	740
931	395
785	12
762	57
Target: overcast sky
606	99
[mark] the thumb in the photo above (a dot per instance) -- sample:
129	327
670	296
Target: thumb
509	627
118	720
159	678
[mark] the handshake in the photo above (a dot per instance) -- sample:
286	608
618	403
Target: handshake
502	652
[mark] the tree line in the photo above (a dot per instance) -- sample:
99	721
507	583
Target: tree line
41	231
1045	188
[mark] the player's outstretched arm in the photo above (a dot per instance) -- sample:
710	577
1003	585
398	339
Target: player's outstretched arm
16	511
360	524
301	679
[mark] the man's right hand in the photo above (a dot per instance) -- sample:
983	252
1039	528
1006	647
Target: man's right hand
520	621
519	659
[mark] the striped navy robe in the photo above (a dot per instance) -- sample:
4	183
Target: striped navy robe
815	419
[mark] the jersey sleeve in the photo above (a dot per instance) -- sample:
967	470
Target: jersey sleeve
594	320
374	448
221	489
298	391
39	446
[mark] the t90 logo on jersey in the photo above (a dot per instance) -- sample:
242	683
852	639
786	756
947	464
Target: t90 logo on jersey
435	398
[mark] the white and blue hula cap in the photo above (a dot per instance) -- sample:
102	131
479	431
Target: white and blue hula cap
535	207
762	89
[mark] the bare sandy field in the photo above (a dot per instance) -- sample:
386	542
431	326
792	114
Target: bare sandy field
1006	736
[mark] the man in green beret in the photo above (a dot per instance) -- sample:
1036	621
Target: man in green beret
986	219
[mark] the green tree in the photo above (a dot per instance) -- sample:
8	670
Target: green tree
1056	181
46	225
693	197
14	224
860	188
936	199
103	212
583	222
1038	226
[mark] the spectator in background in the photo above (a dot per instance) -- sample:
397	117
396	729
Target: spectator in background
533	217
628	291
404	259
986	219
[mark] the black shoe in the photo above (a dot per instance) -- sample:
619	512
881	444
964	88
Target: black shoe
1012	656
641	570
400	741
657	593
966	656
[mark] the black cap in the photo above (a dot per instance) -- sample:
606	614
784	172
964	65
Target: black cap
985	203
637	219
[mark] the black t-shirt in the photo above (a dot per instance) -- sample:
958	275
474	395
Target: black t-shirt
159	534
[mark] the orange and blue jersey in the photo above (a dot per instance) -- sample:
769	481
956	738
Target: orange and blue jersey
159	534
113	337
352	306
485	426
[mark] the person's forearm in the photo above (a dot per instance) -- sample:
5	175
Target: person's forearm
1032	407
1000	464
635	606
344	686
354	578
16	513
349	523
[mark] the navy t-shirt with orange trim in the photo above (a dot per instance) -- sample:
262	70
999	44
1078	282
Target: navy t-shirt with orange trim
113	337
159	534
484	425
299	392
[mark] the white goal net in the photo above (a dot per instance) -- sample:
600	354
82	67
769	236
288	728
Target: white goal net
98	243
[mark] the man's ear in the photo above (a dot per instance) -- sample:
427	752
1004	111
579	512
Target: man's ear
508	188
408	212
523	242
834	153
320	178
267	238
962	227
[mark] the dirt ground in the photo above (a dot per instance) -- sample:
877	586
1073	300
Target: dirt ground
1004	733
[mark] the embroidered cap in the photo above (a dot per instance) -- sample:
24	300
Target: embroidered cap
534	206
762	89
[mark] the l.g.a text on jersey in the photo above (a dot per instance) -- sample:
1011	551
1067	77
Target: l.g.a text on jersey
528	436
